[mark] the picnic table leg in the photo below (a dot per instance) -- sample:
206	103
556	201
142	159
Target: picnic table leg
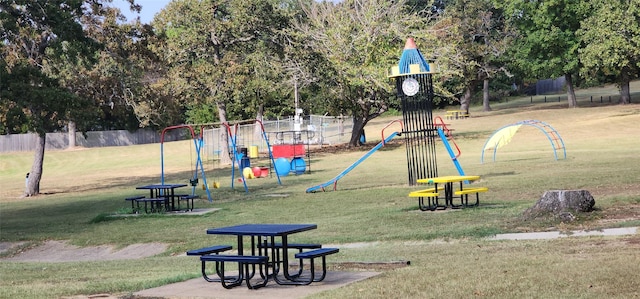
288	279
429	206
263	249
173	200
464	200
218	270
226	283
450	196
253	268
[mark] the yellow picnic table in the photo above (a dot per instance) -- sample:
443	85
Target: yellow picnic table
455	114
448	182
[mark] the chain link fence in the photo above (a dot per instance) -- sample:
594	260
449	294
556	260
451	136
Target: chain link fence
313	129
310	130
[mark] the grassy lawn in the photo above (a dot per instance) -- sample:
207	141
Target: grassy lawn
449	251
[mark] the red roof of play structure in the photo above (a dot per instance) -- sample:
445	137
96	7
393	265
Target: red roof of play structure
410	44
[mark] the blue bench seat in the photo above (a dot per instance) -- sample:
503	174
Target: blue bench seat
299	246
135	207
207	251
155	204
187	198
312	255
244	272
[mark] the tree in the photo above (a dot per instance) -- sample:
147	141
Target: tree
479	39
612	42
548	44
34	102
121	77
33	33
360	40
210	50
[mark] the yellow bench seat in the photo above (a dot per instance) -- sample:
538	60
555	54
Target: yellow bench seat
471	190
464	195
423	194
429	192
431	196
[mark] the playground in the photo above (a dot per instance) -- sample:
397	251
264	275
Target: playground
451	253
391	228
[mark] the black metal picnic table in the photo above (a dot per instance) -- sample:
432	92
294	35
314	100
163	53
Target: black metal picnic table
166	191
260	233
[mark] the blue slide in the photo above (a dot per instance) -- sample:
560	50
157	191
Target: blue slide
334	181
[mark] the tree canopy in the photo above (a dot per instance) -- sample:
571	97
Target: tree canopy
360	41
612	42
34	34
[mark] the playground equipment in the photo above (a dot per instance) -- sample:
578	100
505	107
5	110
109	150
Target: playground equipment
445	135
413	79
414	87
503	136
334	181
293	145
241	159
197	141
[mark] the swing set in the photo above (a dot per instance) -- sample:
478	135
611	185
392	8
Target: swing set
238	157
198	169
198	143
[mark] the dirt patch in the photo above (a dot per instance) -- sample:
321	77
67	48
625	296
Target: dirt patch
369	266
70	253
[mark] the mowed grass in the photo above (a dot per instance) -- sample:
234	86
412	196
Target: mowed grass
450	252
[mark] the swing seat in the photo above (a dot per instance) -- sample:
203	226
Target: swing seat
187	198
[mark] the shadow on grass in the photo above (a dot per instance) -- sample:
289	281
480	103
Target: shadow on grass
496	174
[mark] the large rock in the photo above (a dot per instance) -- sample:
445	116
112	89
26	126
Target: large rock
561	204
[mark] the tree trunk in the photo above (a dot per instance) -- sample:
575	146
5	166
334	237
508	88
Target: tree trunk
485	96
571	94
357	131
257	128
625	92
465	100
225	158
72	134
33	181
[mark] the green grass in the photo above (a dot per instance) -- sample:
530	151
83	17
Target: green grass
449	252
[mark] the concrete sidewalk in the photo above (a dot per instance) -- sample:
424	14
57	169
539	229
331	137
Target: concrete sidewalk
556	234
199	288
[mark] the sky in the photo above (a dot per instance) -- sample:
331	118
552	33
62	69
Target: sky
149	9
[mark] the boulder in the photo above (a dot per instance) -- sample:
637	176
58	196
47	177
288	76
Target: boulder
562	204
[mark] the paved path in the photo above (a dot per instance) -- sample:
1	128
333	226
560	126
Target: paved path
579	233
199	288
